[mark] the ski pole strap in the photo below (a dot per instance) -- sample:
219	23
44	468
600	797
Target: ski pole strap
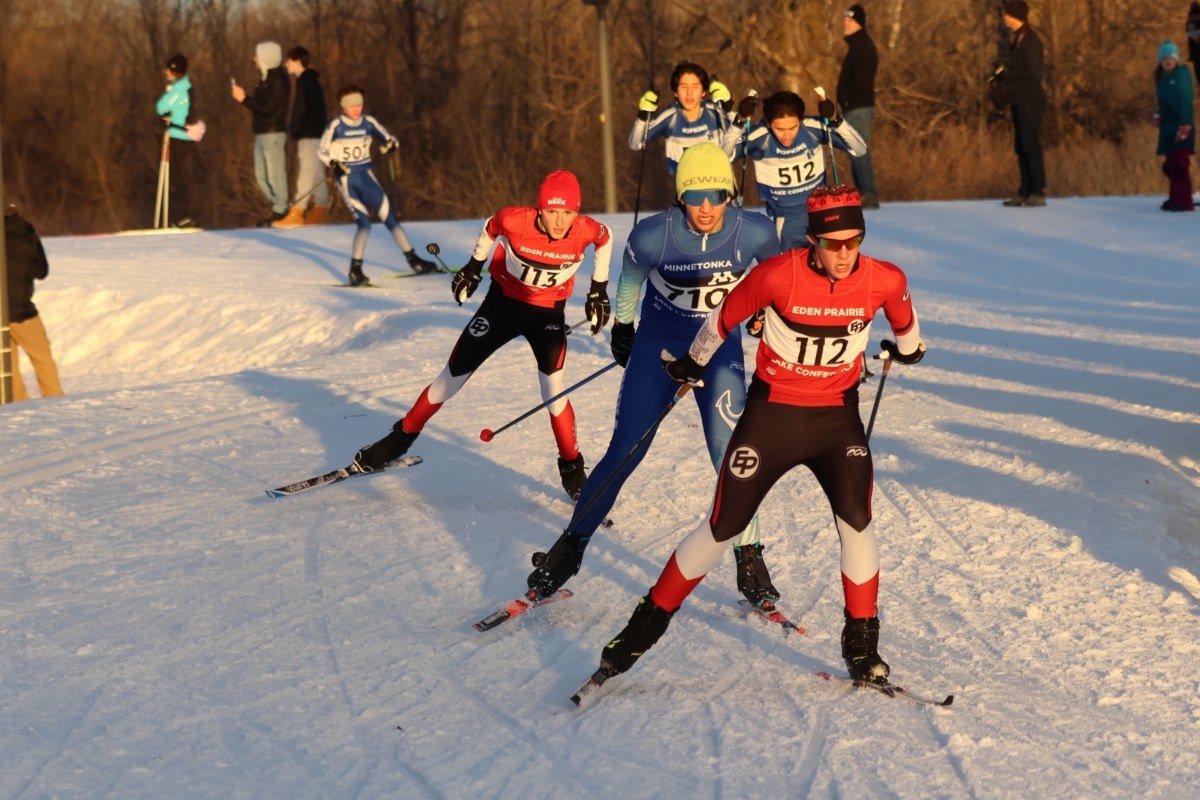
572	328
887	364
581	512
556	397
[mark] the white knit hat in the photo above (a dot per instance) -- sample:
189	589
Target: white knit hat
270	56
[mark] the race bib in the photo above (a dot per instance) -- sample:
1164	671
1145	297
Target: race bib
540	276
698	295
349	151
786	173
816	346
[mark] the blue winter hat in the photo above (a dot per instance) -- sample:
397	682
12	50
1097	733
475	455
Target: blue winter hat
1168	50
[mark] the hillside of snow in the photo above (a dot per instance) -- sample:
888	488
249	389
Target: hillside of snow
168	631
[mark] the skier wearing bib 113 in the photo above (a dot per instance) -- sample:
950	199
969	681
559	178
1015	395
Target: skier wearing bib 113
689	120
802	408
533	274
346	144
789	162
693	255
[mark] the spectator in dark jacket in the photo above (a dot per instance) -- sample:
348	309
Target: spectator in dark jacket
1022	76
268	107
1175	120
1193	32
856	96
307	126
26	261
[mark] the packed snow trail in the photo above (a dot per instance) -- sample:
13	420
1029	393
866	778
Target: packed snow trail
169	631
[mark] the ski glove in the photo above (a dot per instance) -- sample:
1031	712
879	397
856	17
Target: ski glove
622	342
893	352
719	92
388	146
747	107
339	169
754	325
467	280
1183	132
682	370
648	104
597	306
829	111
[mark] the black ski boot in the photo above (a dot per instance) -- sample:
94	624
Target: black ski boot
753	580
860	643
573	476
418	264
555	568
356	277
386	450
646	626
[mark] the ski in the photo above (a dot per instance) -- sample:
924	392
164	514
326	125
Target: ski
373	286
888	689
337	476
517	607
411	274
590	688
769	612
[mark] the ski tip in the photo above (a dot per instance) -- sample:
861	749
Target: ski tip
273	493
949	701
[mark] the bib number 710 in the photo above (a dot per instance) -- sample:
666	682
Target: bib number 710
710	298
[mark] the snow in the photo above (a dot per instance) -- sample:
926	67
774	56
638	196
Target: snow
166	630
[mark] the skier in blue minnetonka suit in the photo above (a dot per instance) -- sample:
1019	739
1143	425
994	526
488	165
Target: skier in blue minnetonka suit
692	255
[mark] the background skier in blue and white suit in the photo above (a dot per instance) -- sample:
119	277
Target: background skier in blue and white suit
691	119
692	255
347	143
789	162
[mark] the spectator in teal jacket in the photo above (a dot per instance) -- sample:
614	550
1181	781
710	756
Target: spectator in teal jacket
174	107
1176	125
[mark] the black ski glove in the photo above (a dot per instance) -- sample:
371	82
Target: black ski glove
388	146
622	342
747	107
339	169
894	353
467	280
754	325
829	111
682	370
597	307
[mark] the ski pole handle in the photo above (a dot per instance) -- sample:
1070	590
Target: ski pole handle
487	435
887	365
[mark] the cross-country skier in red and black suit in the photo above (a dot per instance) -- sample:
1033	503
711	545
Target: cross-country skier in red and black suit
801	409
533	274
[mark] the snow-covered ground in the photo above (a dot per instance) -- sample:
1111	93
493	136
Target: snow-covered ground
167	631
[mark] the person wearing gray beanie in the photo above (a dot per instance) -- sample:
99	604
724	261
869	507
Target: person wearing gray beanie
268	107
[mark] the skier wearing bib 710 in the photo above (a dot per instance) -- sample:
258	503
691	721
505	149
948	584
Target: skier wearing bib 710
789	162
346	144
802	408
533	274
692	255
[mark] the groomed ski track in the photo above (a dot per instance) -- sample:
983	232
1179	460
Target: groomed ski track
168	631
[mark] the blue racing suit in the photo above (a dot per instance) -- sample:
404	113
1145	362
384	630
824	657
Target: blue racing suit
689	274
680	134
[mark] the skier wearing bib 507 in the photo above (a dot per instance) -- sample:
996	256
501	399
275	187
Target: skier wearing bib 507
533	274
692	255
346	144
802	408
789	162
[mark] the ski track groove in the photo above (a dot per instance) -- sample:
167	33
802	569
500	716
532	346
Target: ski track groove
60	746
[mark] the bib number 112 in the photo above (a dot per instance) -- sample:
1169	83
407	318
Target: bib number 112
837	351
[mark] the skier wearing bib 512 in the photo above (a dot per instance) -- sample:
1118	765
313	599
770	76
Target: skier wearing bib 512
802	408
693	255
689	120
347	145
789	162
533	274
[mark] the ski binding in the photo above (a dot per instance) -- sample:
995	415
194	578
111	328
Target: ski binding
339	475
769	612
889	689
516	608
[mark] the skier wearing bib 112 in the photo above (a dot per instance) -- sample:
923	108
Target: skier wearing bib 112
533	274
802	408
689	120
346	144
693	255
789	162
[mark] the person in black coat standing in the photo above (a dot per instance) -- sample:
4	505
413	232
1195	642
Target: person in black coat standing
307	126
26	262
1022	76
856	96
268	107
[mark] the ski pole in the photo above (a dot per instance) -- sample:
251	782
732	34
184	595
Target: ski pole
396	191
637	202
580	512
435	251
487	434
829	132
304	196
887	364
163	181
745	154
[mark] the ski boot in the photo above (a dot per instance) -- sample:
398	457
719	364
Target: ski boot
418	264
753	580
646	626
860	643
573	476
356	277
377	456
555	568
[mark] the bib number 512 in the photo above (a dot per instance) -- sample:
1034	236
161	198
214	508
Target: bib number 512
797	173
